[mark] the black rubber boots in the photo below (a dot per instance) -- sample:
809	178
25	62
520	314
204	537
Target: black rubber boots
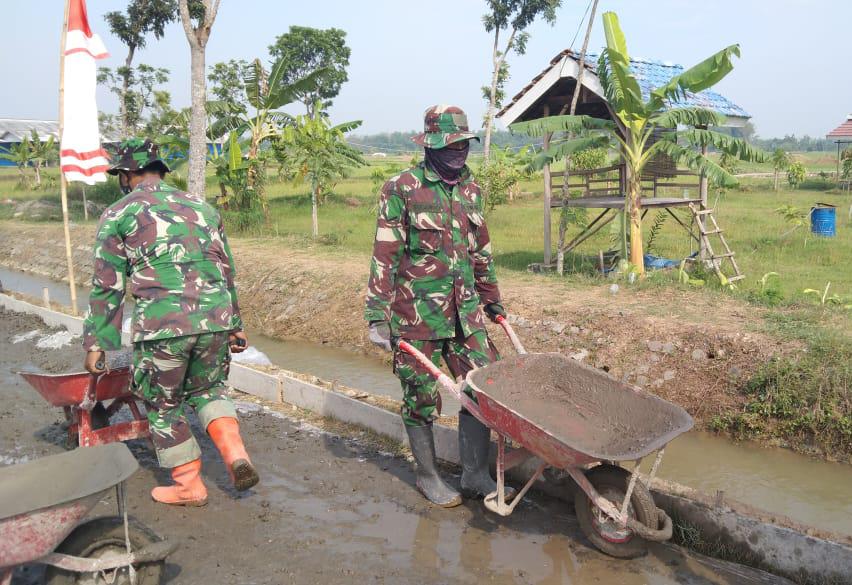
429	481
474	450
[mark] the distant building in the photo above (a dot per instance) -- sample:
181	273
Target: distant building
13	131
840	136
379	154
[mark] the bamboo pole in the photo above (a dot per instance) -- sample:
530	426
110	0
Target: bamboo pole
85	204
63	184
546	173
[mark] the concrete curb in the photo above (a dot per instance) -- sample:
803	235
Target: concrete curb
780	549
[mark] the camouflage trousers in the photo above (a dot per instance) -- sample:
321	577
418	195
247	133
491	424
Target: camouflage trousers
421	400
173	374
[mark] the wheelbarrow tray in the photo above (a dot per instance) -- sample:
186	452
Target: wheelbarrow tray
70	389
571	414
34	521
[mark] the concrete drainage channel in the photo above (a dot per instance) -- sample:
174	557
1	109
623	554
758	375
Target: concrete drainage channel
712	525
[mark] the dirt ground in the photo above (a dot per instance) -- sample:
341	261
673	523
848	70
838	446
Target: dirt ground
330	508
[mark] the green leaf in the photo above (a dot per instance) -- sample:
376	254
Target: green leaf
620	87
235	155
688	117
615	40
697	78
256	84
695	161
564	148
542	126
281	95
726	143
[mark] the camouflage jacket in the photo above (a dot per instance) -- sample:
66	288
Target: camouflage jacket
431	258
172	248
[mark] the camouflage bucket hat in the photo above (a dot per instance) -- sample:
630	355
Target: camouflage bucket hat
137	154
443	125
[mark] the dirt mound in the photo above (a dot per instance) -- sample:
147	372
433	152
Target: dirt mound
690	348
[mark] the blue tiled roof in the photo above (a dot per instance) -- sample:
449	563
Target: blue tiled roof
653	74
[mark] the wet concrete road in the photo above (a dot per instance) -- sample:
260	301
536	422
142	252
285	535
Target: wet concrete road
333	509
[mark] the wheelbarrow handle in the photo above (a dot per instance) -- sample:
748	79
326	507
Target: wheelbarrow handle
510	333
444	380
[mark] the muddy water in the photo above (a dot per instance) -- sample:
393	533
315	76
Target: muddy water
808	490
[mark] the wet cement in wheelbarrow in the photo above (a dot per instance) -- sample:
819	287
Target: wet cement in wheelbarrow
583	407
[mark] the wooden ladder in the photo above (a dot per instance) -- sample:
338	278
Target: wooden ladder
707	226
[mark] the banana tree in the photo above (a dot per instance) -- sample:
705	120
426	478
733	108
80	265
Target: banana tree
637	119
20	154
41	152
266	94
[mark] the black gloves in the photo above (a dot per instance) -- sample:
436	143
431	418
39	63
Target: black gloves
380	334
493	310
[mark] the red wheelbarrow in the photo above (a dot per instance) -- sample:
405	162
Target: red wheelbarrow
42	503
577	418
82	396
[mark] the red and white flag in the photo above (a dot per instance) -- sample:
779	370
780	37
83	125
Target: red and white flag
81	156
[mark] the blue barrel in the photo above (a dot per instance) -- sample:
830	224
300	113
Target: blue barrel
824	220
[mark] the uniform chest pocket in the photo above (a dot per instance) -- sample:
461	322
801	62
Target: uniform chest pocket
474	222
427	232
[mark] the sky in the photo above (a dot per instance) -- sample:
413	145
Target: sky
407	55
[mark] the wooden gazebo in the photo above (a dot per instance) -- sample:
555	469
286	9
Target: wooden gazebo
663	185
842	135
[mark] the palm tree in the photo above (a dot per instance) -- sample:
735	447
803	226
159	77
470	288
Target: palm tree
636	120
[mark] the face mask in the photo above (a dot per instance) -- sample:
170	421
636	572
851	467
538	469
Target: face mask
448	163
124	186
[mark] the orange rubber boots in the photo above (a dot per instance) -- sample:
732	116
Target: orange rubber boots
225	433
188	490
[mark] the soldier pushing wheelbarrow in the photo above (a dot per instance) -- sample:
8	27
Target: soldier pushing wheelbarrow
431	271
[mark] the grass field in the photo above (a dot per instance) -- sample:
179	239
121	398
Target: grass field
747	214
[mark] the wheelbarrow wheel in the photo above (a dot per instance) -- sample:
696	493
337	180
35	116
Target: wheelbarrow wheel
611	482
101	538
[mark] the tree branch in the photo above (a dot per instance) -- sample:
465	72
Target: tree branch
186	21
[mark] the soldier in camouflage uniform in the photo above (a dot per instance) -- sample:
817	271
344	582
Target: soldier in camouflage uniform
169	248
431	270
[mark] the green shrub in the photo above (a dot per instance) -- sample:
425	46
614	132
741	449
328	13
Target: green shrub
591	158
105	193
796	174
804	401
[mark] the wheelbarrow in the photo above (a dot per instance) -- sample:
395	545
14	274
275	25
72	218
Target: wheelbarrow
83	397
577	418
42	504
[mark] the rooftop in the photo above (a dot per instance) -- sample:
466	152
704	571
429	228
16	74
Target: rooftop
14	129
844	131
649	73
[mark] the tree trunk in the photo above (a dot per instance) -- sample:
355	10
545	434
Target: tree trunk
37	170
125	89
198	37
497	59
314	211
197	123
776	179
634	193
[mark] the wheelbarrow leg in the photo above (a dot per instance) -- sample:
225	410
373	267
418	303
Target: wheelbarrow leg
496	502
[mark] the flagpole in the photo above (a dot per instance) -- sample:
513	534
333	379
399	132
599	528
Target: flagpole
63	184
